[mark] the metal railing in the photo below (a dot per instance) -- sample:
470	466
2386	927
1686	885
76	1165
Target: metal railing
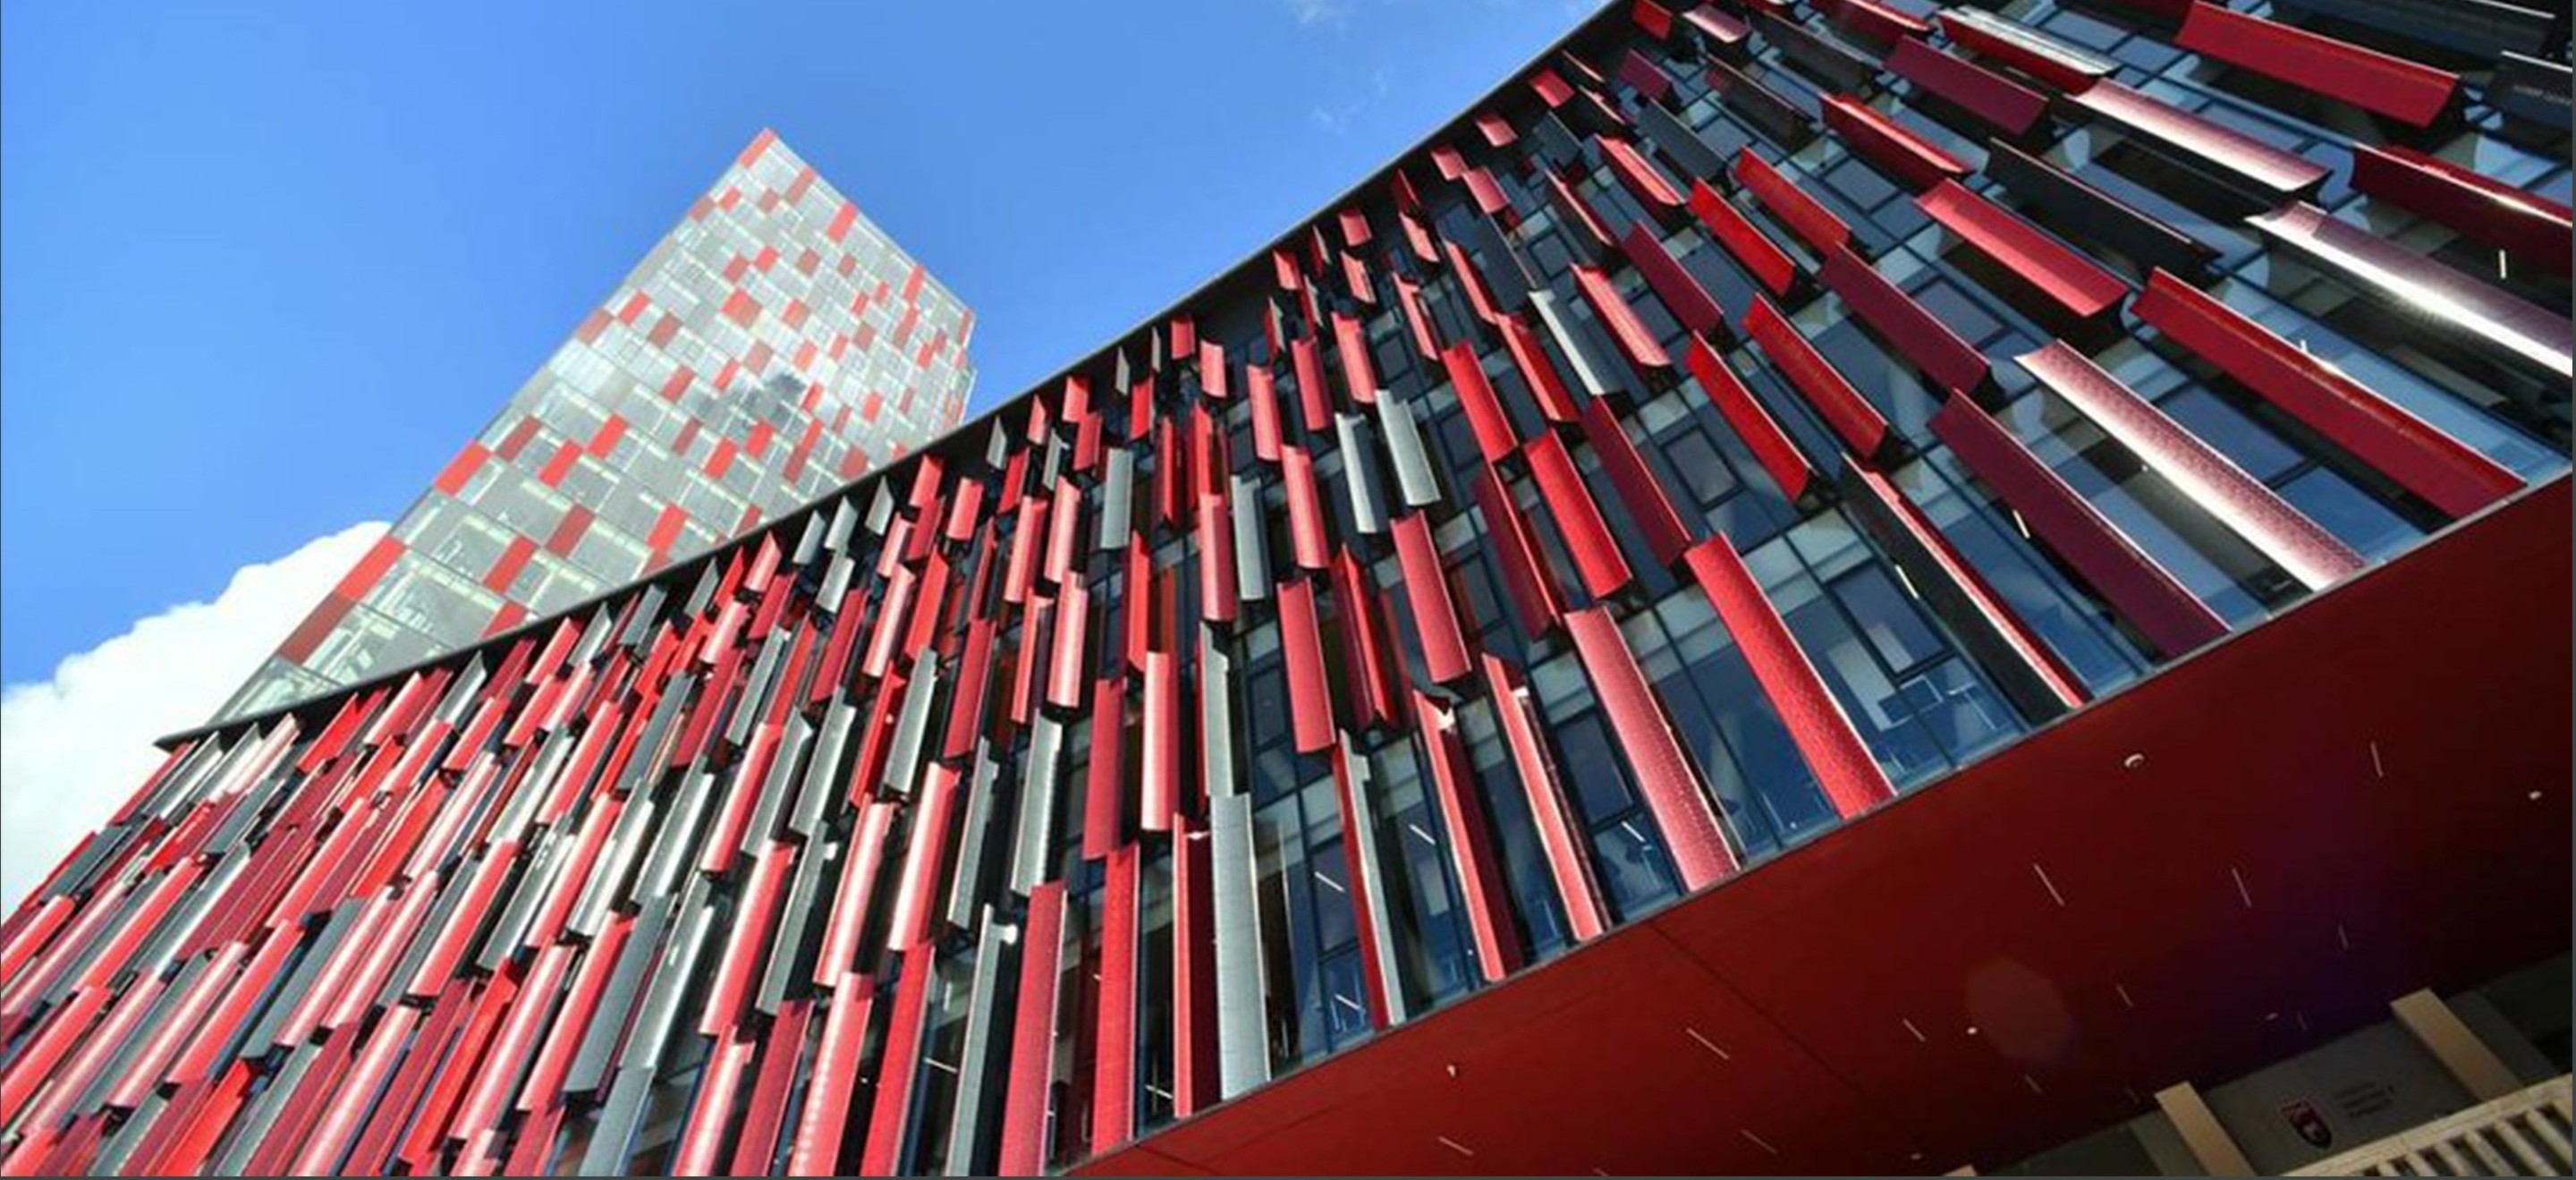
2520	1134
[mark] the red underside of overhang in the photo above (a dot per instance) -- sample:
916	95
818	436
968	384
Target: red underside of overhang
2364	875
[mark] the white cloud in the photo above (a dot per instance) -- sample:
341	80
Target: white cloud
1320	12
72	748
1335	120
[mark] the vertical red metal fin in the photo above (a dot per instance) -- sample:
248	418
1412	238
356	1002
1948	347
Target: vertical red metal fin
822	1123
1666	533
1426	589
1803	214
2447	473
1113	1059
1664	774
1485	896
1194	998
1033	1030
925	858
1065	668
897	1064
1824	734
1104	807
1305	508
2168	615
1162	744
2301	546
1762	435
1596	552
1302	649
756	1144
1555	401
1859	423
1377	976
1525	575
1495	438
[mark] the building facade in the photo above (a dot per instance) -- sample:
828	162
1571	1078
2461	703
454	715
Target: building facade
773	346
1802	588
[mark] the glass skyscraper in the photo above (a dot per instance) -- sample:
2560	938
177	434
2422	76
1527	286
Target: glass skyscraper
774	345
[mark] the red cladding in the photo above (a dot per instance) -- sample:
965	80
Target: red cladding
1033	1030
1661	771
1113	1060
1639	176
1595	549
1824	735
2255	512
1926	341
2069	279
1898	151
1990	96
2532	228
1426	588
2150	599
1851	416
1471	842
1302	646
1805	217
1666	535
2447	473
897	1063
1743	241
2381	83
1525	577
452	479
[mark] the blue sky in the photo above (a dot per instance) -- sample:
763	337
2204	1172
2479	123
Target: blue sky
266	270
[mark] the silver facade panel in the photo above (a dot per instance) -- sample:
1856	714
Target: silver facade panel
1414	476
1217	729
1032	845
1251	542
1117	481
1598	372
1361	479
1243	1048
975	1091
912	726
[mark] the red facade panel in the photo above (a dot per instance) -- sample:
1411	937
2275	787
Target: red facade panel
1666	534
1824	734
2008	105
1742	240
1033	1030
1105	793
2530	227
2255	512
1596	551
1495	438
2447	473
1689	302
1301	646
1804	216
1113	1057
2146	595
1662	772
1426	588
2281	173
1483	892
2381	83
1924	340
898	1064
1852	417
1897	149
2076	283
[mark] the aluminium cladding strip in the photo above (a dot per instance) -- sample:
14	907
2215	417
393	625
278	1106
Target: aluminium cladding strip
949	824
